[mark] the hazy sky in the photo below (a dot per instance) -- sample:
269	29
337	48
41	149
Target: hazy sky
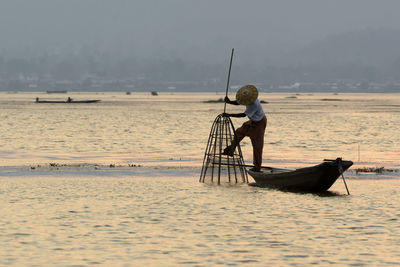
194	29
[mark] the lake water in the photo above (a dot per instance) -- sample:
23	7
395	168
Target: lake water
172	129
116	183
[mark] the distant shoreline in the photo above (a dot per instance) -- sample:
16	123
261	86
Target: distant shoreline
205	91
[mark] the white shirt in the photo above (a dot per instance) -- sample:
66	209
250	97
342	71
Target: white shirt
254	111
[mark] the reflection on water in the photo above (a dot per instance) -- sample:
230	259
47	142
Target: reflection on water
172	129
84	210
136	221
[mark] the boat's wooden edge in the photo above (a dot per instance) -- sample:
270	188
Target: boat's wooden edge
325	161
67	102
332	168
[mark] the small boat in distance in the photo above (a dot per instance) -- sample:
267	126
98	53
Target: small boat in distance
69	100
56	91
318	178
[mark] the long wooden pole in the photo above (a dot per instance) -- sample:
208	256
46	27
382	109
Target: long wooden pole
229	77
341	172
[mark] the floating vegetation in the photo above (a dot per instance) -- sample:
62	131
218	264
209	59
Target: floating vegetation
293	96
219	100
331	99
374	170
175	158
134	165
56	165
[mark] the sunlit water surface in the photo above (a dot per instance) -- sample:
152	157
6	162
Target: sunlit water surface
116	183
170	221
173	128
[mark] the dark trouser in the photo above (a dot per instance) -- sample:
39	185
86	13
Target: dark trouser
256	131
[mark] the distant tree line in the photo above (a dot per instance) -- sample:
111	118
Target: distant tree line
369	56
80	67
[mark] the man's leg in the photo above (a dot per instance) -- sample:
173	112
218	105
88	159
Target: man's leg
258	144
257	141
240	133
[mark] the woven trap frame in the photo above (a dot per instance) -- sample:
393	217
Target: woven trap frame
219	168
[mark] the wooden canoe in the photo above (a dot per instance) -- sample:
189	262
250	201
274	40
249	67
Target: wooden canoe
67	102
316	178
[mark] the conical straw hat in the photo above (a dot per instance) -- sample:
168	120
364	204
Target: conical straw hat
247	95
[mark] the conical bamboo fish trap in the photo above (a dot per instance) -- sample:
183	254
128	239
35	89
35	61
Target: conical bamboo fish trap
219	168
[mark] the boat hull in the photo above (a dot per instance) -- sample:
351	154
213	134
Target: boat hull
317	178
68	102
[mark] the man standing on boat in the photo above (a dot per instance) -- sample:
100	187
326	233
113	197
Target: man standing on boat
253	128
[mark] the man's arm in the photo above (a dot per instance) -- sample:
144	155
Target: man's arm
237	115
227	100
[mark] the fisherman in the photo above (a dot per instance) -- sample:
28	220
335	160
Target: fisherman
253	128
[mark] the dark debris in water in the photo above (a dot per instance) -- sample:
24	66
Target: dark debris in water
331	99
59	166
219	100
374	170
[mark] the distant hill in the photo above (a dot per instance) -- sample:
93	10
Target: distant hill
373	47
